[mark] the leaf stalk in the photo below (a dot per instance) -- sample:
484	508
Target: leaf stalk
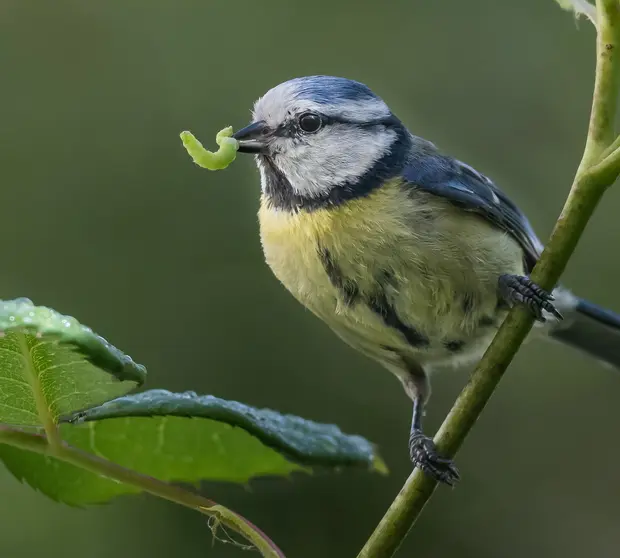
39	443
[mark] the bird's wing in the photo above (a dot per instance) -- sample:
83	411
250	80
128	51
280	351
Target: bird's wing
465	187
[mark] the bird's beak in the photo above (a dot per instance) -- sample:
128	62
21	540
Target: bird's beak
253	138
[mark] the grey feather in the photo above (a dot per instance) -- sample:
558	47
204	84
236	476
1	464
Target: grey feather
591	329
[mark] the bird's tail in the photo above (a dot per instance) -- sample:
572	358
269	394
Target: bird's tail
589	328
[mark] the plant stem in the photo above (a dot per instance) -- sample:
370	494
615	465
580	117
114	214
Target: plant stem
38	443
592	179
604	99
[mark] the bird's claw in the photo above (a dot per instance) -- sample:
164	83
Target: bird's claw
517	289
424	455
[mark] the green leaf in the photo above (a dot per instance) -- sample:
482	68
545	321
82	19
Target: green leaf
219	516
50	365
304	441
153	433
60	481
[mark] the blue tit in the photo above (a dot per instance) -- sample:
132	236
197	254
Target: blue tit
409	255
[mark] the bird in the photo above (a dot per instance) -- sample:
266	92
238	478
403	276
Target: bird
411	256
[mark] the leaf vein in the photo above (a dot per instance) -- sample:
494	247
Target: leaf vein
21	410
11	380
92	436
17	353
59	365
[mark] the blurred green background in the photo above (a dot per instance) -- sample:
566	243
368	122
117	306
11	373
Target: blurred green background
107	219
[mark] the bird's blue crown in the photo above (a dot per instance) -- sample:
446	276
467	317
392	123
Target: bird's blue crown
331	90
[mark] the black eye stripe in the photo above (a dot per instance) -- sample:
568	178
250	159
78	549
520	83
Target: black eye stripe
386	121
290	128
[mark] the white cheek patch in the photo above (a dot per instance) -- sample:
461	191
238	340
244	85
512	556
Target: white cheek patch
335	156
314	164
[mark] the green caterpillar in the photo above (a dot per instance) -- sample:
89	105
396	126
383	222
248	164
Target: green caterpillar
206	159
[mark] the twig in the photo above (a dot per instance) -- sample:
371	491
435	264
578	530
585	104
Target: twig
598	169
38	443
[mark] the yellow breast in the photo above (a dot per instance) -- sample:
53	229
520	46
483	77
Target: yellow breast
436	256
358	234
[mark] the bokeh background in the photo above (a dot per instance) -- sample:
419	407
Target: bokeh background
104	217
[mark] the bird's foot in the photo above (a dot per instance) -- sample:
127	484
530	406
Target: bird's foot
424	455
517	289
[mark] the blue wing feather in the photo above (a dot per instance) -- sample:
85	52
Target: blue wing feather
465	187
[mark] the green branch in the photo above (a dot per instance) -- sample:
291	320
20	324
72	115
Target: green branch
599	168
38	443
604	99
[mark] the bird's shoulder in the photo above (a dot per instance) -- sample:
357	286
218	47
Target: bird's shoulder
427	169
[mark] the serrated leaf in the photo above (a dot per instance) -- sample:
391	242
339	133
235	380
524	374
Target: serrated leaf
304	441
170	449
60	481
51	365
224	441
47	470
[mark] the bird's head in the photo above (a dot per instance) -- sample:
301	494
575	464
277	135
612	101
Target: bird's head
320	140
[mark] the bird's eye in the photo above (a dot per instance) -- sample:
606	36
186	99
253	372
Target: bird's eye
310	122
